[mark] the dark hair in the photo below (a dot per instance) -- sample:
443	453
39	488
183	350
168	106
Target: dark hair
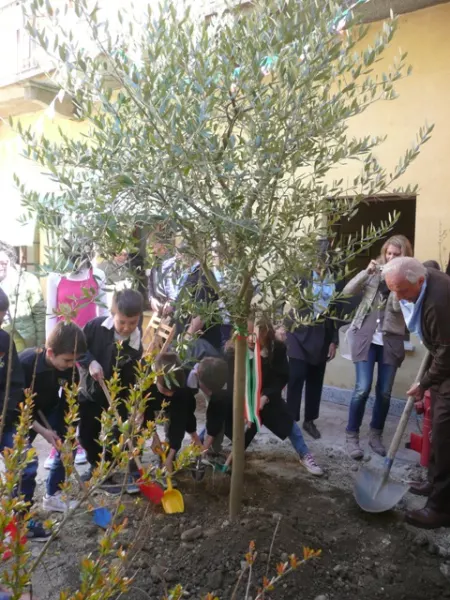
432	264
170	365
128	302
213	373
4	301
66	338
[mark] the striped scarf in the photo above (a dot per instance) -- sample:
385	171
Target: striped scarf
253	382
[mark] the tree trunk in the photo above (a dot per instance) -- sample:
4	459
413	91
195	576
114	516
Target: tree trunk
237	473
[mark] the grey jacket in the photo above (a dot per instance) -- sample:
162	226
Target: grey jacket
393	322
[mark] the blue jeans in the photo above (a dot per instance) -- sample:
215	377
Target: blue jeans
297	441
28	482
364	379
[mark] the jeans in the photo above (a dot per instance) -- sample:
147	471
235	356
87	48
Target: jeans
57	474
297	441
364	379
28	482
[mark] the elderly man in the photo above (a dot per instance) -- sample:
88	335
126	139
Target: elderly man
424	295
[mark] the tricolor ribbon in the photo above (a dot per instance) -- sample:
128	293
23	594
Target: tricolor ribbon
253	382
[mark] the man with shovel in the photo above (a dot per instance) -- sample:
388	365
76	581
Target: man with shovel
424	296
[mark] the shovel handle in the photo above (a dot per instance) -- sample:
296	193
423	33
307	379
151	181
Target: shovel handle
116	414
405	417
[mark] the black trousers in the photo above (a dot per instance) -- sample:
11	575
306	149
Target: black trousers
439	471
304	375
90	428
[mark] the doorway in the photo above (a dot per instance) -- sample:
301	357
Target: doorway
375	211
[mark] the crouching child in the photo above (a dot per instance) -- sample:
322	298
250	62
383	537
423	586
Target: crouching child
47	370
180	404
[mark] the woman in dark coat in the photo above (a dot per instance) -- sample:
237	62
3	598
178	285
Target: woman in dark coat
275	414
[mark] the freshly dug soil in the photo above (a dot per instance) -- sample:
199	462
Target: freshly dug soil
363	556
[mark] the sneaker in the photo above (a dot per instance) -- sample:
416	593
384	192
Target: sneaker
37	532
49	461
310	465
56	503
310	427
80	456
114	488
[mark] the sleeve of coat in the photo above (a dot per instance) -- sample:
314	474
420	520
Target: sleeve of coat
279	372
37	308
439	369
357	284
215	417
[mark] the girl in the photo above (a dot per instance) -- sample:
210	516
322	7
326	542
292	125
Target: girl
275	414
376	335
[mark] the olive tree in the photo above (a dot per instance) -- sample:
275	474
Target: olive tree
232	131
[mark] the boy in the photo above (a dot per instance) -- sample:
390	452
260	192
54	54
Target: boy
180	412
113	341
48	370
28	482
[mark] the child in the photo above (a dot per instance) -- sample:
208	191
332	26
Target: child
47	370
180	412
274	413
113	341
28	481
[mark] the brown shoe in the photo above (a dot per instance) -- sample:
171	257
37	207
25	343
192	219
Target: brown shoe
427	518
421	488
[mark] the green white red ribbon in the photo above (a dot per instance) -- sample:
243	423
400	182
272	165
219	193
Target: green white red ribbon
253	382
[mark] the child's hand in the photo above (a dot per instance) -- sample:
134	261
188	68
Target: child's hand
264	400
52	438
196	440
169	464
96	371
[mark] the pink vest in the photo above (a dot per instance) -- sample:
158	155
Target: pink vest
71	293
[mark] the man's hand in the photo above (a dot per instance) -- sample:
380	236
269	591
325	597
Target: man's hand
167	310
416	391
195	325
96	371
264	400
332	351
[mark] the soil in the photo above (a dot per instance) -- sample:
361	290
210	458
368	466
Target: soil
363	556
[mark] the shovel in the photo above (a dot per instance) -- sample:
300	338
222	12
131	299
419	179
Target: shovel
374	492
172	500
152	491
102	516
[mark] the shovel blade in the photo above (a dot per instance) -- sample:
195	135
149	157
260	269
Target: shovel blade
172	502
102	517
375	497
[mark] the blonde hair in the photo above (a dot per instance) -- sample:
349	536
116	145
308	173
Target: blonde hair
399	241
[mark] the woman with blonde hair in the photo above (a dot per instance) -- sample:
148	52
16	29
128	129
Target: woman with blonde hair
376	335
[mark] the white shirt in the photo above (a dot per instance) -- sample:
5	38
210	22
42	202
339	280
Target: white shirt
134	340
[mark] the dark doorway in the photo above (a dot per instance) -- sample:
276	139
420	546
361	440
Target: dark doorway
375	211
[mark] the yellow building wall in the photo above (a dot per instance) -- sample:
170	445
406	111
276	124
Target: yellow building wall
424	97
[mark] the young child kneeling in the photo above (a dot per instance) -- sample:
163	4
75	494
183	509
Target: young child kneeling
47	370
181	404
213	374
112	342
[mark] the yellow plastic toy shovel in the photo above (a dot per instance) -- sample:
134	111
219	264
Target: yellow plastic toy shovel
172	500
